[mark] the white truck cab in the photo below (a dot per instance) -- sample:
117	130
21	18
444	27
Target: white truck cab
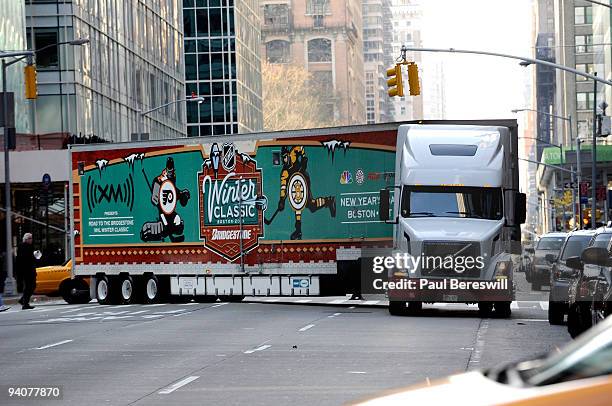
456	205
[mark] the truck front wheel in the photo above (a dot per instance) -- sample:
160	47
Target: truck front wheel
502	309
397	308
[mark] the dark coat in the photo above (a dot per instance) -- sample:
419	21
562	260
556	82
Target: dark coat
26	263
2	275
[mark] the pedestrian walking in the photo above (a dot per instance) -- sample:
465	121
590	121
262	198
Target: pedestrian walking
26	264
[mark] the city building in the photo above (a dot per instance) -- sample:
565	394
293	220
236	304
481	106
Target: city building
222	65
406	20
377	37
434	88
13	38
133	62
326	38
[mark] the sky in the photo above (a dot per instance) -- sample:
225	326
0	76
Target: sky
480	87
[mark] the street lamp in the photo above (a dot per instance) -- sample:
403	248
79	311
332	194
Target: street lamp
18	55
142	114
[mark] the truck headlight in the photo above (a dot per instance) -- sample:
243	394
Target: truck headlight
503	269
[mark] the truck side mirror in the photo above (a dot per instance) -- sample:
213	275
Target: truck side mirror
520	208
595	256
383	205
574	263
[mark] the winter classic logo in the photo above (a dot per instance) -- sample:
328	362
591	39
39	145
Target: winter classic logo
231	201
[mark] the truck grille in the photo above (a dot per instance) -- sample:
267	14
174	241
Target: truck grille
439	250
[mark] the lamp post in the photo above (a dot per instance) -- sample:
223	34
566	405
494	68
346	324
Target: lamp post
142	114
19	56
561	156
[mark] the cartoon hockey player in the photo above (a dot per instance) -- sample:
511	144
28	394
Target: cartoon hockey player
164	196
295	185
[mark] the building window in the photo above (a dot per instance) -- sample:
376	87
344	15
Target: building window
276	15
584	43
583	15
277	51
318	21
319	50
583	128
318	7
585	100
323	81
403	110
48	58
586	68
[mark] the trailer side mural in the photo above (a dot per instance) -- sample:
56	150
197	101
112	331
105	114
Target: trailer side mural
280	200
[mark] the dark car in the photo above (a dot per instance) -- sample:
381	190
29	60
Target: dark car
561	274
588	287
549	244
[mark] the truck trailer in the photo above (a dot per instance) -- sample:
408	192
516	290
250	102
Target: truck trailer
269	214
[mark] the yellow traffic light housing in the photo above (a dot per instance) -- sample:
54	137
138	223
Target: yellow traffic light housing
413	79
29	73
395	84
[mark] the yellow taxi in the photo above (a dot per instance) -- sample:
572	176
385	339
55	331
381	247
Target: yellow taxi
57	280
580	374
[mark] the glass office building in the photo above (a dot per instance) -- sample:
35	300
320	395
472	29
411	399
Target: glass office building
12	38
134	62
222	64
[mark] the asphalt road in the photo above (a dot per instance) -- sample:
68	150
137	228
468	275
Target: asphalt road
253	353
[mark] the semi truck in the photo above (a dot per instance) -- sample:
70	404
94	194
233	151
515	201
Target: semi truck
269	214
458	210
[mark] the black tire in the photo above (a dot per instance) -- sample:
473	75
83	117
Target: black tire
75	291
485	309
503	310
415	307
579	320
126	292
572	322
397	308
556	313
232	298
103	290
151	290
205	299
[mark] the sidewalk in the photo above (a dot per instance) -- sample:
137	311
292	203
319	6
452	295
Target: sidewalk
14	300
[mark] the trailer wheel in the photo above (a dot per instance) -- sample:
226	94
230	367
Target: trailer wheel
502	309
151	291
126	290
103	290
397	308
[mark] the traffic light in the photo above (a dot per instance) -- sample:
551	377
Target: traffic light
29	73
395	85
413	79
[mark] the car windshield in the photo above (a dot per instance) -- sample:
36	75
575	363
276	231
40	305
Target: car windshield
550	243
575	245
459	202
602	240
587	357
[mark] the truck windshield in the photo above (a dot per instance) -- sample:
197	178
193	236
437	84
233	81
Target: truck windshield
454	201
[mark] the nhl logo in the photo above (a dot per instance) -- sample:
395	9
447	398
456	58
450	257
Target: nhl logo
229	156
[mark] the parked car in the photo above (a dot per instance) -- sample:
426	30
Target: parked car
56	281
579	374
561	273
549	244
589	290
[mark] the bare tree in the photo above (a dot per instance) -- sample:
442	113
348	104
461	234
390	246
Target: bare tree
292	99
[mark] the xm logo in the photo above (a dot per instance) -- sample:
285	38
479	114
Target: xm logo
110	193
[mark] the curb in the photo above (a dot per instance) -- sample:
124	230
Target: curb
354	303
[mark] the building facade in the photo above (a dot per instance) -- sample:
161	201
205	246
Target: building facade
13	38
406	19
325	37
222	65
377	37
133	62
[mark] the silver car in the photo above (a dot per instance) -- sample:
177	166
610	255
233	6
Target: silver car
549	245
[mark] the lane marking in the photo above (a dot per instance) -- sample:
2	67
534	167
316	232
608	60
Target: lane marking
260	348
337	301
189	304
138	312
544	305
514	305
218	305
542	320
177	385
334	315
357	372
303	301
156	305
308	327
74	310
271	300
44	347
476	354
40	310
371	302
152	316
171	311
